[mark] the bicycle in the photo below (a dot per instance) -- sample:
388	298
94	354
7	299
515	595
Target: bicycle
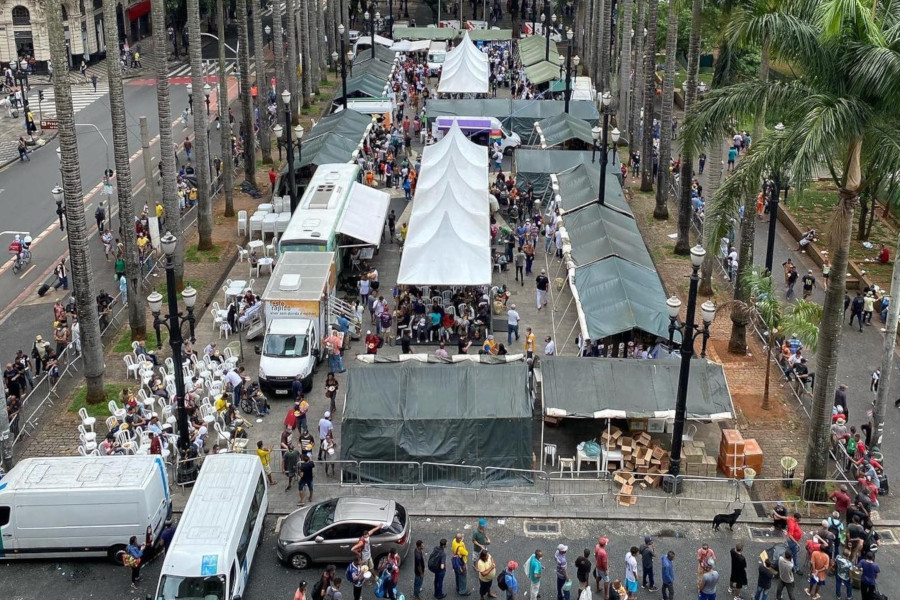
22	259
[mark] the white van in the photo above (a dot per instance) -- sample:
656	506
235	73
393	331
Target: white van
81	505
484	131
437	53
218	534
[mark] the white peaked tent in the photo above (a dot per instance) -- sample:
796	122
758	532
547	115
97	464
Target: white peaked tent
448	242
465	70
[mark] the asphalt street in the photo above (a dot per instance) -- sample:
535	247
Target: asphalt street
270	580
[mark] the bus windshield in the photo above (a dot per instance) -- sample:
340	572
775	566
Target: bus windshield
172	587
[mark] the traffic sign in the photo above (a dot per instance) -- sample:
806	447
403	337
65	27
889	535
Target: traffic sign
49	123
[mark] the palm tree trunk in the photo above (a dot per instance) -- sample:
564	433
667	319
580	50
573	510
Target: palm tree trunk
322	44
262	85
606	45
137	318
637	82
767	405
715	179
661	211
247	132
596	47
316	44
668	100
79	257
290	15
841	228
305	53
683	243
330	27
278	45
171	203
224	120
201	132
624	103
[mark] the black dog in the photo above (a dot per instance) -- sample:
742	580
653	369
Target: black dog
723	519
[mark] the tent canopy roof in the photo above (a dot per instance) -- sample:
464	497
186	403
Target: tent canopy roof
579	186
617	296
346	123
562	128
625	388
325	149
597	232
549	161
367	84
533	50
448	33
372	66
542	72
364	217
465	70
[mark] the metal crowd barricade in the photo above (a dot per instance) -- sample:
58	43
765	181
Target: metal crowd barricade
451	476
745	488
384	473
809	484
515	481
707	489
566	484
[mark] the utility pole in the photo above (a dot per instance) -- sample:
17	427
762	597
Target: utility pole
6	440
148	164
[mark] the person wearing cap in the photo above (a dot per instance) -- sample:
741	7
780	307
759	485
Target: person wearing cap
325	427
631	573
480	539
512	322
779	517
840	399
801	372
372	341
542	284
562	574
647	554
535	570
601	566
868	308
708	581
841	500
704	555
668	576
512	585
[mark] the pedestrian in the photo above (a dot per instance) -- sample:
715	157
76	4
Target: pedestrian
793	537
702	162
512	322
791	281
100	216
583	571
334	589
617	590
809	283
868	308
132	558
631	582
418	569
868	577
356	574
856	310
842	566
333	345
785	575
647	554
542	284
306	481
668	576
300	594
188	149
738	579
459	558
23	150
520	265
563	585
601	566
487	570
709	581
437	564
94	82
289	462
534	569
62	276
265	457
480	539
509	579
764	580
818	570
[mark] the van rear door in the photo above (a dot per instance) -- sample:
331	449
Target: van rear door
7	528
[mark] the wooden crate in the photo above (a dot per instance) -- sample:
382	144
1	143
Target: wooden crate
753	455
732	460
733	440
643	439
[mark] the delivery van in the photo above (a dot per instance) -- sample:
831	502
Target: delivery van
219	532
485	131
437	53
81	505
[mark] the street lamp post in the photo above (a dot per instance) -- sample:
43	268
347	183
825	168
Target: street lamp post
548	27
58	197
605	100
390	23
292	183
533	17
334	62
689	331
569	61
773	211
343	66
190	92
278	130
173	322
207	90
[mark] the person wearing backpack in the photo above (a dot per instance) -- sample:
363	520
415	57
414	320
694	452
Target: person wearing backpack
437	564
507	582
321	586
356	575
534	569
836	528
458	561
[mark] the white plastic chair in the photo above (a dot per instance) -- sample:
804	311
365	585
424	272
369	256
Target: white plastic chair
114	410
224	330
223	435
88	435
230	359
111	423
242	222
243	253
688	436
272	247
88	445
170	365
208	413
131	367
87	421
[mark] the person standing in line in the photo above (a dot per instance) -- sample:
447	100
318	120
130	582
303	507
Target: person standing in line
631	582
668	576
647	553
583	571
437	564
738	579
562	574
785	575
842	566
334	590
487	570
356	571
289	461
419	569
542	284
818	571
709	581
132	559
265	457
764	580
512	585
306	479
535	570
520	265
867	580
704	555
601	566
300	593
460	556
480	539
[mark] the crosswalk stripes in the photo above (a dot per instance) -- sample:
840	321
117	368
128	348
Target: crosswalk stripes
211	70
82	97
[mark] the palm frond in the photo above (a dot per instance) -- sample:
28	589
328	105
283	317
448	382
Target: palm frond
803	319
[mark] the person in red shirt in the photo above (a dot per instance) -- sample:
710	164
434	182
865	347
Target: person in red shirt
601	566
841	499
793	536
372	341
273	175
155	444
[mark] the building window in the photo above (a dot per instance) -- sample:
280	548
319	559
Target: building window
21	16
65	13
98	4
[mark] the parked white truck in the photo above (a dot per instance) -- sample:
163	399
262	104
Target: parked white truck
298	308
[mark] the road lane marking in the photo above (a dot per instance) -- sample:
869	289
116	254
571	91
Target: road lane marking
27	271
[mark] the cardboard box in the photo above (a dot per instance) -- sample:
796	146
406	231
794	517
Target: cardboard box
733	440
626	442
643	439
732	460
693	455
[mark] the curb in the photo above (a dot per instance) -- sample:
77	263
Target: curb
47	140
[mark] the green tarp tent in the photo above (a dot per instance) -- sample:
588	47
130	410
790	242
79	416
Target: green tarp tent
533	50
459	413
561	128
425	33
621	388
579	186
366	84
372	66
542	72
518	116
347	123
618	296
535	166
598	232
490	35
325	149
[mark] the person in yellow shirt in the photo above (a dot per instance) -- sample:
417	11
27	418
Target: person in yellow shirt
460	558
529	343
159	211
265	457
221	404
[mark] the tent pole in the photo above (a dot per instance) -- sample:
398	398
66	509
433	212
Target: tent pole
571	331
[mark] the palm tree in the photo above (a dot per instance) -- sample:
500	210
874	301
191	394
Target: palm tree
596	46
637	81
224	120
624	102
661	211
606	42
137	318
277	27
171	203
887	354
668	99
683	242
249	137
79	256
291	16
201	131
262	84
305	50
845	102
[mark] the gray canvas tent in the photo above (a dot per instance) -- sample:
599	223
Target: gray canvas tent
374	66
517	115
533	50
597	232
618	296
346	123
460	413
617	388
562	128
579	185
365	85
535	166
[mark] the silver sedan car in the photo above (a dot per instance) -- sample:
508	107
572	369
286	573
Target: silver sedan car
326	532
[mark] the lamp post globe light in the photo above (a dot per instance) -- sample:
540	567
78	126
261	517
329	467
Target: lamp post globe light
58	198
689	331
190	93
174	321
569	61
